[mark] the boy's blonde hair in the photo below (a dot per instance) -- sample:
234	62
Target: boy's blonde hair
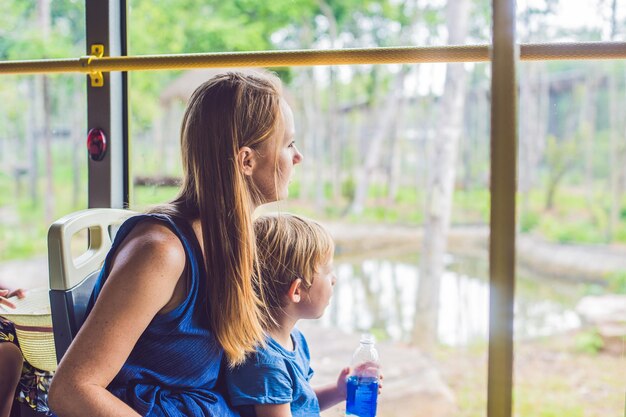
288	247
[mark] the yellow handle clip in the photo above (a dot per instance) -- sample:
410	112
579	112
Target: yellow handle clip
96	77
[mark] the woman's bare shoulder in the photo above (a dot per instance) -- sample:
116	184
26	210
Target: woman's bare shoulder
152	241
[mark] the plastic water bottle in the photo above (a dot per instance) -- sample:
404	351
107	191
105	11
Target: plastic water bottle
362	383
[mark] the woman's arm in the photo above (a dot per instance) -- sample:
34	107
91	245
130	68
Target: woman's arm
332	394
144	275
273	410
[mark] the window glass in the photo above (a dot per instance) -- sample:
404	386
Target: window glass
394	158
411	255
396	164
540	21
43	165
374	140
157	98
572	229
382	147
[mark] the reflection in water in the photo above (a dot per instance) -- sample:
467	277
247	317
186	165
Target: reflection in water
379	294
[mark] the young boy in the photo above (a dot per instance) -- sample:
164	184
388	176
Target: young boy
295	257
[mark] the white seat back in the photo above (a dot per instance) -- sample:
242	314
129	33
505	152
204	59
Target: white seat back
72	279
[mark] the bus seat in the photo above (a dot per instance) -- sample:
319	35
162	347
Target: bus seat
72	279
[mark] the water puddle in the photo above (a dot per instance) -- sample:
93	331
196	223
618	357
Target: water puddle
380	294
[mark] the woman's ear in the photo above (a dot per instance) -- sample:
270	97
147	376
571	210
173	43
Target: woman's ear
246	160
295	291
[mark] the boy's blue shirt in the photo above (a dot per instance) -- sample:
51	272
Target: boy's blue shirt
274	375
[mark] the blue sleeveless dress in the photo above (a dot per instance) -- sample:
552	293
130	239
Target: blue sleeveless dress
174	368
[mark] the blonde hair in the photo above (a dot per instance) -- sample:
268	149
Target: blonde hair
288	247
227	112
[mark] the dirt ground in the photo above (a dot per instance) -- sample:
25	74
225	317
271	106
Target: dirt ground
551	379
413	386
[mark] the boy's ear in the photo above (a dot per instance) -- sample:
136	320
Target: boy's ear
295	291
246	160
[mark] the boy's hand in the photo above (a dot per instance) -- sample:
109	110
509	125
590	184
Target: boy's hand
370	369
342	386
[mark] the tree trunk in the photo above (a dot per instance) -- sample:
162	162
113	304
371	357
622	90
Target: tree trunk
319	135
309	133
424	164
614	148
373	149
32	138
76	136
159	136
47	135
553	184
614	165
533	108
333	104
467	144
588	130
44	20
395	154
312	187
441	185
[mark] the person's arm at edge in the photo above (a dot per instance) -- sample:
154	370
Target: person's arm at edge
144	275
7	293
273	410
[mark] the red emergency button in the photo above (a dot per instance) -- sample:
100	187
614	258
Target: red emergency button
96	144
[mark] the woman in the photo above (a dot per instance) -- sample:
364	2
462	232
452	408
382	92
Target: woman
176	293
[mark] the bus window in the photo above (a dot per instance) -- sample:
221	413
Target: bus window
375	158
570	238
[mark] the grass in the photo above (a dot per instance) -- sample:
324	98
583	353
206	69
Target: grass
145	197
551	379
571	221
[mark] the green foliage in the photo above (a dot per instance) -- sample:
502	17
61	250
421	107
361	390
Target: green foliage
295	190
471	206
380	333
408	195
330	212
348	188
600	216
560	156
23	223
589	342
594	289
184	26
24	38
549	410
529	221
620	233
574	218
616	282
563	231
145	197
